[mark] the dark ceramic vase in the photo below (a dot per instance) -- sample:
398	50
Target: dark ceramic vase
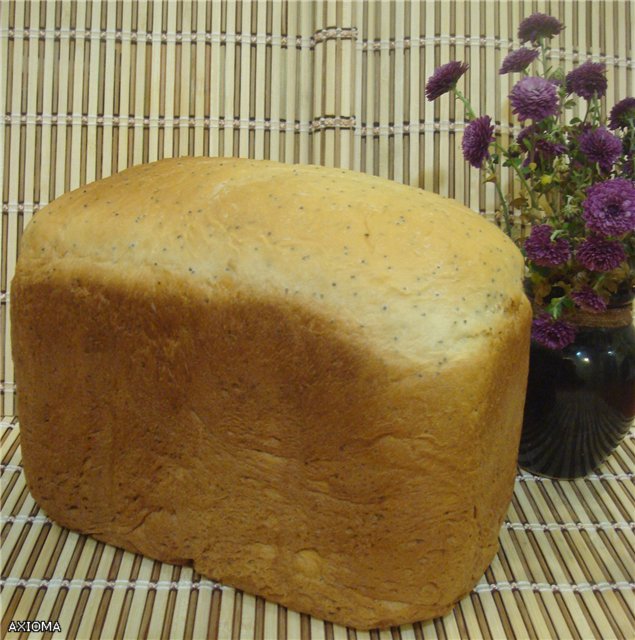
580	402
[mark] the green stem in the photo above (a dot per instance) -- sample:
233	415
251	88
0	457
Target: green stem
490	164
629	137
595	107
506	217
466	103
521	177
543	56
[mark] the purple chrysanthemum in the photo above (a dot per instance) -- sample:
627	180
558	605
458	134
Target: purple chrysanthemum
627	166
540	149
534	98
545	150
538	26
589	300
551	333
601	146
599	254
587	79
518	60
476	140
609	208
621	113
444	79
527	133
542	250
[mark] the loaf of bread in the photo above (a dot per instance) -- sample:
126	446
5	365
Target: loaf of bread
306	382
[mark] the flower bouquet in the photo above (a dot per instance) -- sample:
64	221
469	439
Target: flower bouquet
573	211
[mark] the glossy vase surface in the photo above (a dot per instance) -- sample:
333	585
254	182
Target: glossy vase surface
580	402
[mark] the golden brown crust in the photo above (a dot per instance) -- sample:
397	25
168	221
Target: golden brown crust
269	438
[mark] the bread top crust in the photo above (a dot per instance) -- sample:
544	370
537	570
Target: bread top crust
417	276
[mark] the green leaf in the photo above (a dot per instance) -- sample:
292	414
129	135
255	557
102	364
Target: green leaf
518	203
557	306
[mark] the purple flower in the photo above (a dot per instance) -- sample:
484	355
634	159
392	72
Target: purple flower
529	134
545	150
476	140
538	26
587	79
621	113
554	334
541	249
587	299
627	165
518	60
599	254
601	146
542	150
609	208
444	79
534	98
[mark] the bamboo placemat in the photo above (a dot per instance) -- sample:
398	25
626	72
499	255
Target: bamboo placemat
564	570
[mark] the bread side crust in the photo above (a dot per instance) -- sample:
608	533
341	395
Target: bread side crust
267	444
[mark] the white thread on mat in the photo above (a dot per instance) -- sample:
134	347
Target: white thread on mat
317	124
322	35
21	519
11	468
487	43
164	37
204	584
334	33
181	37
520	477
555	588
568	526
77	119
428	127
627	476
22	207
514	526
528	477
98	583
